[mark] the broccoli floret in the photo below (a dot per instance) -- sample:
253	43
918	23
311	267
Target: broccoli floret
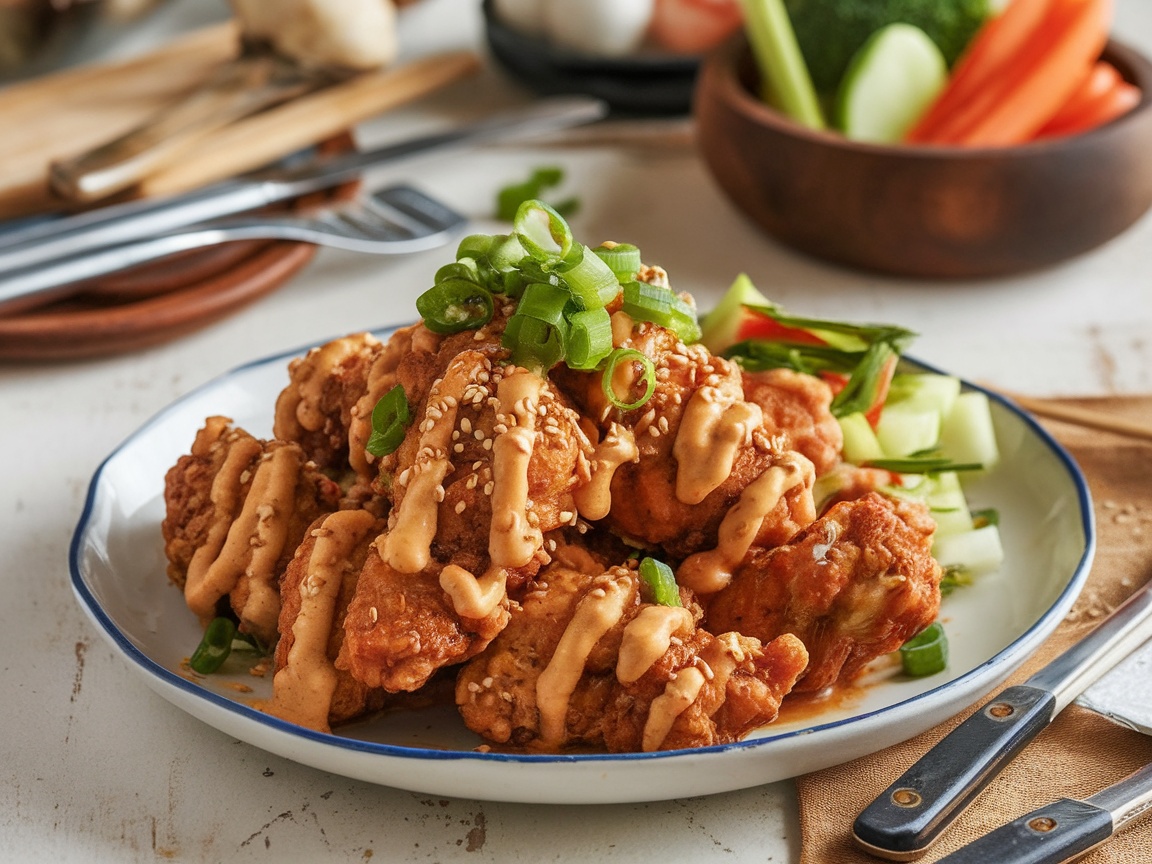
831	31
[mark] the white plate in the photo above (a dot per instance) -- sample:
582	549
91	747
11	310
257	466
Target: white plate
118	574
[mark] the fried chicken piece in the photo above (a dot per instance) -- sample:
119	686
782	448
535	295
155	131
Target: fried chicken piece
487	469
796	412
854	585
236	509
667	474
315	590
585	663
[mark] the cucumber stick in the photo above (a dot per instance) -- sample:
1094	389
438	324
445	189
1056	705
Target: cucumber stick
966	434
889	83
978	551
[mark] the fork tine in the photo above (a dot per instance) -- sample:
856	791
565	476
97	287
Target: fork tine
424	214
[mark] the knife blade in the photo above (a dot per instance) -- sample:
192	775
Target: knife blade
1065	829
133	220
912	813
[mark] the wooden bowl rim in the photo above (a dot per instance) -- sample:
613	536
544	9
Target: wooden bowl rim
722	70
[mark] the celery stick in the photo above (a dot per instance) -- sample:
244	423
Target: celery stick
784	80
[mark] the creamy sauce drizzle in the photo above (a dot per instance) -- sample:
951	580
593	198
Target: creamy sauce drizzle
299	407
512	541
302	691
709	571
205	583
595	615
474	597
647	637
594	499
716	423
719	659
407	547
381	379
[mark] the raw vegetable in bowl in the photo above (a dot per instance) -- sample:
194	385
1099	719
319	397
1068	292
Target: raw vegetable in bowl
974	73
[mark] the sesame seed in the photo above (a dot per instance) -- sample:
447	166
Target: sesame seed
488	487
438	494
461	506
373	614
457	448
465	425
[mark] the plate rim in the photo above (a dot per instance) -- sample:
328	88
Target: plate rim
1006	659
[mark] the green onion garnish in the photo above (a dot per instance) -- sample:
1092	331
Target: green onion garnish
921	464
390	419
657	583
509	199
662	306
623	259
542	231
215	647
954	576
455	305
536	344
590	280
926	653
631	356
589	338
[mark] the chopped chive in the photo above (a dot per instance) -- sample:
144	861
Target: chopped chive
390	420
926	653
214	647
658	583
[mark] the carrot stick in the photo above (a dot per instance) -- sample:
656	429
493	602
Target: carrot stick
1031	90
1121	98
992	48
1102	77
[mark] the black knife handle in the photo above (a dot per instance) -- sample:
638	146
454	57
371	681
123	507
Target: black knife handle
1059	832
909	815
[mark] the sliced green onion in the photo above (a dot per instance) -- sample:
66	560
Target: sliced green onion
921	464
535	344
390	419
589	338
630	356
215	647
509	199
542	231
622	258
465	269
657	583
926	653
954	576
474	246
506	252
455	305
662	306
543	302
591	281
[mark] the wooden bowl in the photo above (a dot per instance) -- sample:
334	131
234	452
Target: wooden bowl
919	211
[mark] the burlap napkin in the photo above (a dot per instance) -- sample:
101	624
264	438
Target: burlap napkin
1080	752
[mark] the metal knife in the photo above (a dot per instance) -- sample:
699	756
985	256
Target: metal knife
912	813
133	220
1066	829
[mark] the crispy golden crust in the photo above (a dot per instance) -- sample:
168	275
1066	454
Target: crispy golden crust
736	683
796	413
854	585
236	509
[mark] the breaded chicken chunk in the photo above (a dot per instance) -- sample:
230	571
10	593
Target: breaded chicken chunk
236	509
584	662
797	415
856	584
485	472
667	473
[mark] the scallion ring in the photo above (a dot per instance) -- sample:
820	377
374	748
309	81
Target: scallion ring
390	419
657	583
622	258
535	344
544	303
589	338
455	305
475	246
215	647
542	231
591	281
628	357
926	653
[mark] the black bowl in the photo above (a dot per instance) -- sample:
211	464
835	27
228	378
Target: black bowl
645	83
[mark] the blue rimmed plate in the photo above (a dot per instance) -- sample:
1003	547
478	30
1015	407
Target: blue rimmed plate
118	575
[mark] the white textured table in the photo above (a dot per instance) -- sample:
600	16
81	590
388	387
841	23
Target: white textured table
95	767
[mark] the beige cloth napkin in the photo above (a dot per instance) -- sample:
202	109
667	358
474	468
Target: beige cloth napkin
1080	752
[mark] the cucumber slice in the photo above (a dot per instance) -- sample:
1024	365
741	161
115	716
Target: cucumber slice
860	442
720	327
967	433
978	551
903	430
924	391
948	504
889	83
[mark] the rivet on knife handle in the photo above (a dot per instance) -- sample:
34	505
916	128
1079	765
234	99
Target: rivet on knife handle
911	813
1059	832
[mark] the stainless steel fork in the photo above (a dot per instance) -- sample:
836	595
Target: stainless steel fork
393	221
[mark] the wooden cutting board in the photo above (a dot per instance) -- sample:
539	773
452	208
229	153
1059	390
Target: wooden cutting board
71	111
